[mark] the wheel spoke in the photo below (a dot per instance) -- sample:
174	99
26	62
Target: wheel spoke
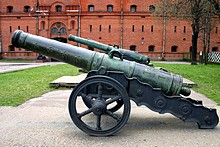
86	98
113	100
100	91
116	117
79	115
98	123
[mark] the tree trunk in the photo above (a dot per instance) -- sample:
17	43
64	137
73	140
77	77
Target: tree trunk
204	46
194	47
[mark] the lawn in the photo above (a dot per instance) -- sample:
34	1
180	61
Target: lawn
17	61
207	77
18	87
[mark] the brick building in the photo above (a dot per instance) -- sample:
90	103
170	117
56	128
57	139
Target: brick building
128	23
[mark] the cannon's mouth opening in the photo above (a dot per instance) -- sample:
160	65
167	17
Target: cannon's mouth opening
15	38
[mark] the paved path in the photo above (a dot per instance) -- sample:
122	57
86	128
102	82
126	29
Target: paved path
11	67
45	121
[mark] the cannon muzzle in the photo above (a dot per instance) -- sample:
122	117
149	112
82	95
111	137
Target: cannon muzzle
170	84
128	55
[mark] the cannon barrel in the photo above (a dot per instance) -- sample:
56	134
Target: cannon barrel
170	84
129	55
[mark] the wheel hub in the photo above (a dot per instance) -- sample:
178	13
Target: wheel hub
99	107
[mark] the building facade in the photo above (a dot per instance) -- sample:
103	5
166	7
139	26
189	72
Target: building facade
127	23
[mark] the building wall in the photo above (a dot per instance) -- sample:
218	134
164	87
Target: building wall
0	31
121	26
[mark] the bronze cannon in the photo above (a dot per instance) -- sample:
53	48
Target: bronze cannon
100	104
121	53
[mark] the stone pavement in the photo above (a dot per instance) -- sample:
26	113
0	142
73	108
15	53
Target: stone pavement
11	67
45	121
72	81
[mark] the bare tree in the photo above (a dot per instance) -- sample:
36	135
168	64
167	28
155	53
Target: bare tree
216	7
194	11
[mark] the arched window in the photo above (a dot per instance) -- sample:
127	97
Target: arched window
109	28
90	28
152	28
58	28
63	30
9	9
133	47
54	30
151	48
91	8
43	25
72	25
58	8
27	28
110	8
151	8
174	48
27	9
133	8
184	29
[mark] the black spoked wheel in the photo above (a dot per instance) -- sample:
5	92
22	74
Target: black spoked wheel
114	106
98	119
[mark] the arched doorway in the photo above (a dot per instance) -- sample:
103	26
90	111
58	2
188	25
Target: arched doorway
58	32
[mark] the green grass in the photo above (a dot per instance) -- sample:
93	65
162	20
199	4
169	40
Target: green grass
207	77
18	87
17	61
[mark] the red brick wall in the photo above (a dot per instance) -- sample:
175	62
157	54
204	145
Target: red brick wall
115	28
